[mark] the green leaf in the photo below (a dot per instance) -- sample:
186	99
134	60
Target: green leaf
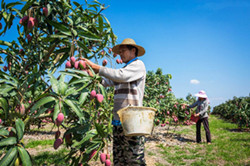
70	91
70	21
8	77
74	107
83	97
6	160
88	35
69	73
67	5
5	43
92	147
27	6
74	32
19	129
88	135
8	141
80	72
11	5
77	4
4	104
100	130
104	93
25	157
6	89
62	50
58	26
8	81
110	123
56	110
41	102
62	85
17	11
100	20
83	46
4	132
54	83
55	36
80	81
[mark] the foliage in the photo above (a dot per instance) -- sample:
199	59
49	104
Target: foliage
11	141
49	33
159	95
236	110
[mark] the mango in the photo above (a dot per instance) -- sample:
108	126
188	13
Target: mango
59	119
57	143
72	60
82	64
76	65
93	152
99	97
103	157
68	64
104	62
107	162
92	94
45	11
24	20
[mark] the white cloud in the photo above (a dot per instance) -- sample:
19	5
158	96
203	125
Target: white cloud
194	81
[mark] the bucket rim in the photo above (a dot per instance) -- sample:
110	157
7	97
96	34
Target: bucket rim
137	107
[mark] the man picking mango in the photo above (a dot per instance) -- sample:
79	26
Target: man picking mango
129	83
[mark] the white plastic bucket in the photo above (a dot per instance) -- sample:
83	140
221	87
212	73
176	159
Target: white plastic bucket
137	121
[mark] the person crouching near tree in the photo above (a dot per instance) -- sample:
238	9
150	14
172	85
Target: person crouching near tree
201	111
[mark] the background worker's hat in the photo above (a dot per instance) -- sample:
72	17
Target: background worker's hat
128	41
201	94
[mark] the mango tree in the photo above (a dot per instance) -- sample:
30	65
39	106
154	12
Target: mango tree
158	94
236	110
33	88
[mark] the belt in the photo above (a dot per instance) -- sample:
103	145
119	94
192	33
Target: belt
116	123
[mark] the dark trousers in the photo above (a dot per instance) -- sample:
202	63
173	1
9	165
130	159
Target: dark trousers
206	127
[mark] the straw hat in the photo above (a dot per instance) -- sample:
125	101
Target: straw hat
201	94
128	41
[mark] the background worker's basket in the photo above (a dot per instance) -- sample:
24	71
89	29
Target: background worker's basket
194	119
137	121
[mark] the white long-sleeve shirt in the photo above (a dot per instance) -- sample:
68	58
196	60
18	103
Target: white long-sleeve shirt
129	83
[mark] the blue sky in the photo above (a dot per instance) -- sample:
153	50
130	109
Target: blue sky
203	44
204	41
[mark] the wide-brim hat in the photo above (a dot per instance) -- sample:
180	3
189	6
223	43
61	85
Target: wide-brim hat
128	41
201	94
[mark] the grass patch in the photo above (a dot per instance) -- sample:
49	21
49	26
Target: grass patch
51	158
184	131
151	154
227	148
33	144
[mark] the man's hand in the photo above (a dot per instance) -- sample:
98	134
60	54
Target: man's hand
94	66
90	73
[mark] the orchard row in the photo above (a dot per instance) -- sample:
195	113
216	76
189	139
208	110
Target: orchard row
236	110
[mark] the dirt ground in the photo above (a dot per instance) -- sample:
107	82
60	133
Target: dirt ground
152	152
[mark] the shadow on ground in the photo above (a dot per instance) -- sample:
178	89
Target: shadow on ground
163	137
